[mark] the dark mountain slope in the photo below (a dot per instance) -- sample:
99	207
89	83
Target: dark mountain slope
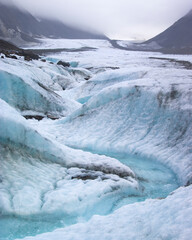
177	39
6	46
18	26
177	36
9	50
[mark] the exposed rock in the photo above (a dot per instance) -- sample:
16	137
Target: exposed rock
28	55
52	117
7	46
37	117
64	64
8	49
27	58
14	57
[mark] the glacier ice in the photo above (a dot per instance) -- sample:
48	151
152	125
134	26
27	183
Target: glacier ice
102	80
52	173
30	88
42	181
153	219
17	132
25	97
142	119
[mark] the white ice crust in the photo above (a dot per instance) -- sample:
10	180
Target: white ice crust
153	219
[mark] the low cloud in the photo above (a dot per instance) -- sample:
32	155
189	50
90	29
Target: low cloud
117	19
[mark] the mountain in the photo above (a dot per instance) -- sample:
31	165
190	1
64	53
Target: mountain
6	46
177	36
20	26
177	39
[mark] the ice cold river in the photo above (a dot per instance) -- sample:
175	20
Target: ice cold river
155	179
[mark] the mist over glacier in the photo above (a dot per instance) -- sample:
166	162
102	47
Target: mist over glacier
116	162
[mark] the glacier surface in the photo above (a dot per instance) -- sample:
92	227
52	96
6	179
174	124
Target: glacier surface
152	219
117	162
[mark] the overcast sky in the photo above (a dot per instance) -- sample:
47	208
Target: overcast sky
119	19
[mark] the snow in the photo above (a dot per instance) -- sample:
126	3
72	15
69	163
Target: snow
126	43
125	136
69	44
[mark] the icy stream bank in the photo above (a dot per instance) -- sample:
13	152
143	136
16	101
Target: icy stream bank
48	196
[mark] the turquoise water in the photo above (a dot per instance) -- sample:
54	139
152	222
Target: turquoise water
83	100
155	181
12	227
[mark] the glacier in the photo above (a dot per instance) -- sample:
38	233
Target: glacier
115	163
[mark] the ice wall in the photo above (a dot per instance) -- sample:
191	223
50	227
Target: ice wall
32	96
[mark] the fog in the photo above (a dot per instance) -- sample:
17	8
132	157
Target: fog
118	19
